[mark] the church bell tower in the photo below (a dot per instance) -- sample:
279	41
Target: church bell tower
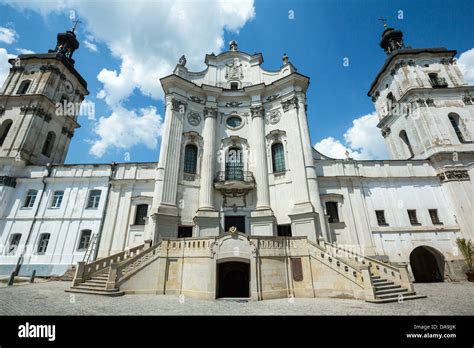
39	104
424	104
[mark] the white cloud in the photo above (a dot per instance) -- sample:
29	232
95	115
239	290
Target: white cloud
124	129
8	35
363	141
4	65
333	148
148	37
466	65
24	51
90	45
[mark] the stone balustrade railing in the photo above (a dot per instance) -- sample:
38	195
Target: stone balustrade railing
119	272
85	271
397	274
347	268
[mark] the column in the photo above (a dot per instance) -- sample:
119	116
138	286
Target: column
261	167
206	192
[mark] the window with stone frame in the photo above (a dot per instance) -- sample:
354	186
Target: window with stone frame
57	199
380	214
43	243
30	199
434	216
455	121
24	85
412	216
332	211
84	239
94	199
4	130
278	158
140	214
190	159
48	144
14	243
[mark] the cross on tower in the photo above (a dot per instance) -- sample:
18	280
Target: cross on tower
75	25
383	20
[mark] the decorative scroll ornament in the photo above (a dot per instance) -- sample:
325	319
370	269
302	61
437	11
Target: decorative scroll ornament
210	112
290	104
257	111
233	230
194	118
7	181
454	175
234	70
274	116
178	105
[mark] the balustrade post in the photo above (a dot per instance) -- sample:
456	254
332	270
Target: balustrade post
368	284
112	276
79	276
405	280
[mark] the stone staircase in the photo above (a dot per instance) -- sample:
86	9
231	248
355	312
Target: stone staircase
97	285
104	276
387	291
389	283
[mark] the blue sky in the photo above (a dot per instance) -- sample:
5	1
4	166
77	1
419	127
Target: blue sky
317	39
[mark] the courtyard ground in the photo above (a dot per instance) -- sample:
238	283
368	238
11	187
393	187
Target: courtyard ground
49	298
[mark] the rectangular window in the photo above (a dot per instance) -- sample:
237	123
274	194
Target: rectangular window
284	230
94	199
434	216
381	218
14	243
30	199
84	239
43	243
412	217
331	210
185	231
141	213
57	199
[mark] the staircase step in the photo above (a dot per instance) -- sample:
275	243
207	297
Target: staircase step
96	281
382	283
92	285
92	288
389	291
396	295
114	293
388	300
386	287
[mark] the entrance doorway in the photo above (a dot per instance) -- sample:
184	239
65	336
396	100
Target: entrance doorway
233	279
237	221
427	265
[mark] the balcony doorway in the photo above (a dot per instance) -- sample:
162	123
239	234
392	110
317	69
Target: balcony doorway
237	221
234	167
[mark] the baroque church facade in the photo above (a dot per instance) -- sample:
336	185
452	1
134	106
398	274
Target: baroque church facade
240	204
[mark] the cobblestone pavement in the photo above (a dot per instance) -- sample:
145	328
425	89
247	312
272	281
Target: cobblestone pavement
49	298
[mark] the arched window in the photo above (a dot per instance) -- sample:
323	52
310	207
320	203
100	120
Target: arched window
190	159
4	129
406	141
24	85
278	158
391	101
454	119
48	144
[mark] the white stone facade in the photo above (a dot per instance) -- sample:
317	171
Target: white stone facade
236	151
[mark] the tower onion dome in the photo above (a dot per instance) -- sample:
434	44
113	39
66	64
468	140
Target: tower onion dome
66	44
392	40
